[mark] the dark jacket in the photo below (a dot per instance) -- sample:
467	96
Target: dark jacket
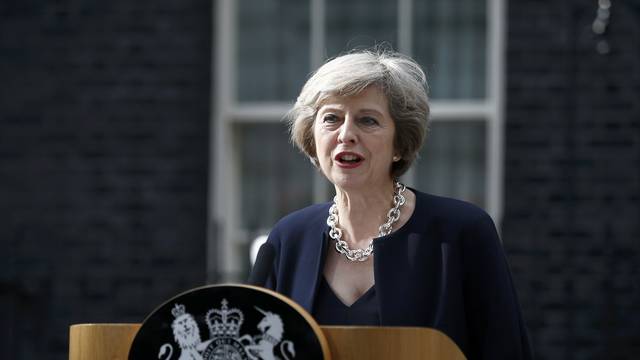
444	269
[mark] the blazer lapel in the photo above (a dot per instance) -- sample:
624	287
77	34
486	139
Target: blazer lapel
405	271
310	265
315	272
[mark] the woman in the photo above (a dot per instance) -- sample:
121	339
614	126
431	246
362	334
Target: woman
381	253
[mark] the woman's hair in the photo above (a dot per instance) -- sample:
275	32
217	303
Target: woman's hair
399	77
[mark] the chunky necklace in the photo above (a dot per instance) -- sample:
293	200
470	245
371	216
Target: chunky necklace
385	229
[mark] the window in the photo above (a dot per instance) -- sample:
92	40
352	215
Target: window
264	52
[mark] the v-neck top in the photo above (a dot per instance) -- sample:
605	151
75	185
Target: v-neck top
330	310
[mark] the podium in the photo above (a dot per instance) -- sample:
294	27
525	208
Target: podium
112	342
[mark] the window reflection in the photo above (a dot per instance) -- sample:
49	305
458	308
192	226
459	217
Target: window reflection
276	179
272	49
360	23
453	161
449	40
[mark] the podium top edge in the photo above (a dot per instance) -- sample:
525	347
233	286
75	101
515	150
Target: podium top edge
105	324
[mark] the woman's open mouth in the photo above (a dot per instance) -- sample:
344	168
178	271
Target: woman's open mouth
348	160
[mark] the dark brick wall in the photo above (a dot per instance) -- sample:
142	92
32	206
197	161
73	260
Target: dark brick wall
572	186
104	120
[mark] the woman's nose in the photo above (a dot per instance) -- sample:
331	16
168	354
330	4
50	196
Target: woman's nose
348	132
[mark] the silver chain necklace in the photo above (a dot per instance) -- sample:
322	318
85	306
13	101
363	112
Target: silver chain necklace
385	229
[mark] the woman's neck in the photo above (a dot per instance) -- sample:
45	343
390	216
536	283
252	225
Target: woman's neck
362	211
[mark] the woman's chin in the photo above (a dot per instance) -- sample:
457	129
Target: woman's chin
348	181
353	181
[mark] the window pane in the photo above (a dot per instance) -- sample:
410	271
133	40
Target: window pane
449	40
273	49
360	23
276	178
453	162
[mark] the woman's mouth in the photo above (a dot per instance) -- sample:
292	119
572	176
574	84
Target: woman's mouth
348	160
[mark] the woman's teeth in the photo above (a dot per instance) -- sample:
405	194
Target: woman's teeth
349	158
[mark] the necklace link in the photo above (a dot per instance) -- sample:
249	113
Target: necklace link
358	255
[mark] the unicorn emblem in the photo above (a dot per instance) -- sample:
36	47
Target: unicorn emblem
262	346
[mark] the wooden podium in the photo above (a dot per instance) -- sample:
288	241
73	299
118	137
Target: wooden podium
112	342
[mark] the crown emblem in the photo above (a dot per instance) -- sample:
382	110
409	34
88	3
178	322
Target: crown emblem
224	322
178	310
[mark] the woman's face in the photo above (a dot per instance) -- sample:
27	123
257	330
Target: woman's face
354	139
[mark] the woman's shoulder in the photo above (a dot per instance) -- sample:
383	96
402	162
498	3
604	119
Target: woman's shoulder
303	219
448	209
457	219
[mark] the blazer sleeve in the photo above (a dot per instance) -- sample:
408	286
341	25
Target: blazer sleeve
274	240
494	319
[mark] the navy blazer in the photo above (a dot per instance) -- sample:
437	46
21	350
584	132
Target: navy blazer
444	269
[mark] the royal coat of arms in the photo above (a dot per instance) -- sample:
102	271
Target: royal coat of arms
226	342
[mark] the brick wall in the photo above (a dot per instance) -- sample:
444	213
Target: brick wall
104	112
572	186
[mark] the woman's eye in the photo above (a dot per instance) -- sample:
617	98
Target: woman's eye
329	118
367	120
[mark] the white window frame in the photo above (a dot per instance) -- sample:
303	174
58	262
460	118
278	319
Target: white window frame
224	258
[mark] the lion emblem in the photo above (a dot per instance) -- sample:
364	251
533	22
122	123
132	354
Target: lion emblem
185	333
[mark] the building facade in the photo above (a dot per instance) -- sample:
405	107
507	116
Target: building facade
142	150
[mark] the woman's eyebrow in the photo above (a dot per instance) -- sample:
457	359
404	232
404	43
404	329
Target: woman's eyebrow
331	107
371	110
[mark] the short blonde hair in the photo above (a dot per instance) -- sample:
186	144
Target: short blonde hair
399	77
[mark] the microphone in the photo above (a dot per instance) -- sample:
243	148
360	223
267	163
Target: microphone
262	267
